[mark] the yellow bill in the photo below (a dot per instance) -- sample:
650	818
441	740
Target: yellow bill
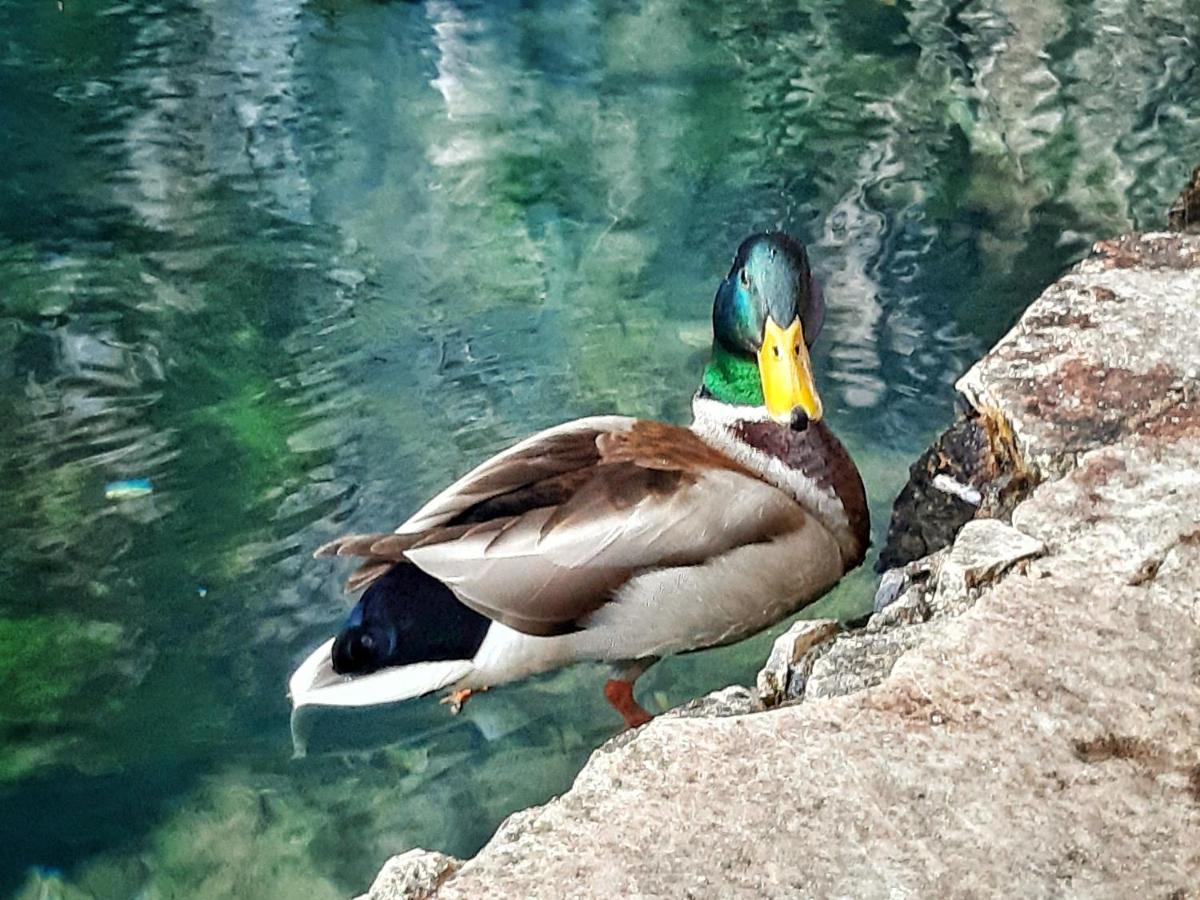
786	372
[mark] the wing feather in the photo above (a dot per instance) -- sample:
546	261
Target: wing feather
537	459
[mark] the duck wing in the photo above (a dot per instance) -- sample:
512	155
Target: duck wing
540	536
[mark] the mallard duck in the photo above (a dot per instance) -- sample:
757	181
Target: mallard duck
617	539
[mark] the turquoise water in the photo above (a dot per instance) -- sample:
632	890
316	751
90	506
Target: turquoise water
300	264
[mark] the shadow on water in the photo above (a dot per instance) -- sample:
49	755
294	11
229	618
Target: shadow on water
299	264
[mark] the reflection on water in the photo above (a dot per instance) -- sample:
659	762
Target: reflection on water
300	264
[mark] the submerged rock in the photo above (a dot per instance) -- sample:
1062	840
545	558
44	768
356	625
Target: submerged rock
945	489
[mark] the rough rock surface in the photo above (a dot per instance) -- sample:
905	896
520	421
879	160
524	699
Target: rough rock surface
983	550
1105	353
785	674
414	875
1031	728
734	700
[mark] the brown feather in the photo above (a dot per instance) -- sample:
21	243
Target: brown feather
366	573
547	492
389	546
514	482
359	544
656	445
330	548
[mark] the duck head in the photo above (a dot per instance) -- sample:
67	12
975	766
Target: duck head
767	313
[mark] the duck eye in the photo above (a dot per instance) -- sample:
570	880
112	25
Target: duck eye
744	278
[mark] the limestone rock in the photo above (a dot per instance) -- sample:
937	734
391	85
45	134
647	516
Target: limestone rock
735	700
910	608
983	550
414	875
784	674
859	660
1105	353
891	586
903	591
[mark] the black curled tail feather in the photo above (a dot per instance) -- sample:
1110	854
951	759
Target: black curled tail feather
409	616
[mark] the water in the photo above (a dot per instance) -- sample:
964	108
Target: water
301	264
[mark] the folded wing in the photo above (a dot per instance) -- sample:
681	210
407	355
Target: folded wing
542	535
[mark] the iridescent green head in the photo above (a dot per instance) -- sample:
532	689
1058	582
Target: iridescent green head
766	315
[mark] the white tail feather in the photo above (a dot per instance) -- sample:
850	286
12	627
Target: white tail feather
315	683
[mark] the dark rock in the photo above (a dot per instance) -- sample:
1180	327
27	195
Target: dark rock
969	470
1184	214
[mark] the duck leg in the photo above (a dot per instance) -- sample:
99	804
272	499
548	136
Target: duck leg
619	692
457	699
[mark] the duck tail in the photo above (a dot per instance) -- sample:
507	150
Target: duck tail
315	683
429	635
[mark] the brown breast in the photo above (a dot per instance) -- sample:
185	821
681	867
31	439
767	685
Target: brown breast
820	457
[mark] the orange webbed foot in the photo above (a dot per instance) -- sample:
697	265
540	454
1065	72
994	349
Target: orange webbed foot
619	693
455	700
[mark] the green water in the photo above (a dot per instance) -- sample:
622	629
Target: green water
300	264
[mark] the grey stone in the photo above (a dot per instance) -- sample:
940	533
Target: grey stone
902	595
414	875
859	660
910	608
891	586
735	700
783	675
